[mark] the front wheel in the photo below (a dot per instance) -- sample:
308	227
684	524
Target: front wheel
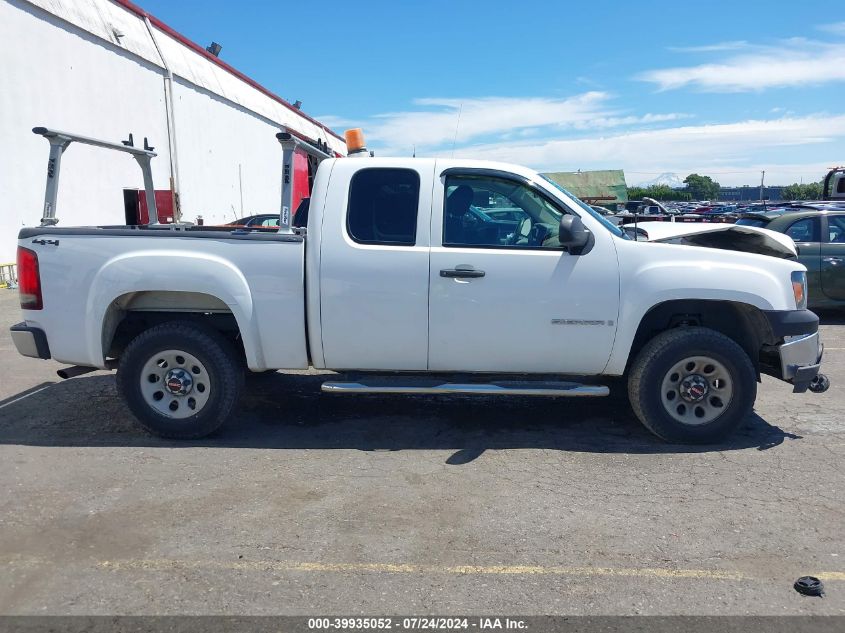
692	385
180	380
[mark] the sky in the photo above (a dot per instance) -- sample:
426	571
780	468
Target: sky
726	89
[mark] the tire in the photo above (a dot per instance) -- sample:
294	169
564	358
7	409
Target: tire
180	380
692	385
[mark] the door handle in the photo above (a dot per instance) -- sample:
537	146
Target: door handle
832	260
461	272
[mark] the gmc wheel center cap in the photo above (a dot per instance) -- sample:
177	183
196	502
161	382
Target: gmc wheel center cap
178	382
694	388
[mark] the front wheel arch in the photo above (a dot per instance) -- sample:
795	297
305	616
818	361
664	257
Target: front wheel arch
743	323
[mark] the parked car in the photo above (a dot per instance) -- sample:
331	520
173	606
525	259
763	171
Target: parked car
403	280
263	221
609	215
819	237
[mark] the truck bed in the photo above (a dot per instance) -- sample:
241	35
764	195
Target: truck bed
94	275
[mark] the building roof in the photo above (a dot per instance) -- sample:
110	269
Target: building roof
131	6
123	25
597	185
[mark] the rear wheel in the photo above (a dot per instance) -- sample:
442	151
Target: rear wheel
180	380
692	385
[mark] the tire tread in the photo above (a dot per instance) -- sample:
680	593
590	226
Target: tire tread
221	355
701	337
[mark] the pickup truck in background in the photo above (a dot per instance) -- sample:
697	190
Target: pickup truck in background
397	278
833	185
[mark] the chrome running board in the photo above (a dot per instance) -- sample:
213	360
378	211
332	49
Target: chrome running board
499	388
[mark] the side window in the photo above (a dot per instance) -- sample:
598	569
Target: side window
806	230
840	185
271	222
383	205
497	213
836	229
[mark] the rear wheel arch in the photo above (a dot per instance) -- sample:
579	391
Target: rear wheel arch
132	313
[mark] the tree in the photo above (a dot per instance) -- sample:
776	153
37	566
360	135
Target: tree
810	191
702	187
658	192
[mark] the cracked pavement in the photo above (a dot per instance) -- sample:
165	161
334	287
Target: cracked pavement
313	504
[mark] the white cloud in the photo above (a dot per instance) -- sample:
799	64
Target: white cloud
795	62
735	150
336	123
710	48
837	28
436	121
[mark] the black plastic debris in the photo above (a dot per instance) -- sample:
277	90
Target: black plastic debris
809	586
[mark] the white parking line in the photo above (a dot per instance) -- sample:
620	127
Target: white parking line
31	393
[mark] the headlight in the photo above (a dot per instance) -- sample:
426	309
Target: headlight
799	289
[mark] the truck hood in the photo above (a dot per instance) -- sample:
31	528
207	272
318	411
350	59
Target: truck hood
748	239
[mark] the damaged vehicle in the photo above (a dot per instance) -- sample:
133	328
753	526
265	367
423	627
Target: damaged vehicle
733	237
400	284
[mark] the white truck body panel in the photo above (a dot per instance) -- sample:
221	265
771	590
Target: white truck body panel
373	298
533	311
653	273
319	197
260	281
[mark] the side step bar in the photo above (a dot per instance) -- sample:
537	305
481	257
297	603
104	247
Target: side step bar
503	388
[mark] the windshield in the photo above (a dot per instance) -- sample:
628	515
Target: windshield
583	205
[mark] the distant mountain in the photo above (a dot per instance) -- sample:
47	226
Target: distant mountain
668	178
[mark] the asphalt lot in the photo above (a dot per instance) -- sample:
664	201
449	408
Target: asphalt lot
317	504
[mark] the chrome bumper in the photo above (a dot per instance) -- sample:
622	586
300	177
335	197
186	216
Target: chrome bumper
800	359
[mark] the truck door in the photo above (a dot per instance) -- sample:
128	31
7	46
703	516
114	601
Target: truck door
518	303
374	254
833	258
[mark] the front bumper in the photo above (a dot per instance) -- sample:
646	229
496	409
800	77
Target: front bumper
792	350
30	341
800	360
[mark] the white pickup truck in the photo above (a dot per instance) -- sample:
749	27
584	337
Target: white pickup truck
408	279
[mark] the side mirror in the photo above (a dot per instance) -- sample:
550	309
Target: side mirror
573	235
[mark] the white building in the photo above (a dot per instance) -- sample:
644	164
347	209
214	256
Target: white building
101	68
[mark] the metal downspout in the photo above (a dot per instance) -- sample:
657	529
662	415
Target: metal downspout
171	124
